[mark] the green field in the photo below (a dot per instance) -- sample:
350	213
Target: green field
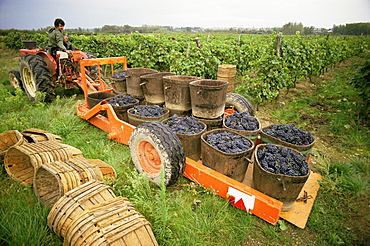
322	101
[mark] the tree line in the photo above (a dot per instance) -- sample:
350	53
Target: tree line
290	28
352	29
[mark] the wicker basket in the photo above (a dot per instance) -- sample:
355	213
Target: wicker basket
53	180
115	222
76	201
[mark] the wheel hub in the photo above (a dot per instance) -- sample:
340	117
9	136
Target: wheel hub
28	82
149	158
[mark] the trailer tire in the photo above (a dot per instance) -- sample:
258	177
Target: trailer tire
240	103
36	77
157	152
15	79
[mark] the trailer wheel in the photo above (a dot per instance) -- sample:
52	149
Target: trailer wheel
15	80
36	77
156	151
240	103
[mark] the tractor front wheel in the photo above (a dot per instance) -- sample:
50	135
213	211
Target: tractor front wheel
157	152
15	79
36	77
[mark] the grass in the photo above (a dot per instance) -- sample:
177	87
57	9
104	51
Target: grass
186	213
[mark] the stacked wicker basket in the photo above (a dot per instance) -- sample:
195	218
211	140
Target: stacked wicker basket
84	211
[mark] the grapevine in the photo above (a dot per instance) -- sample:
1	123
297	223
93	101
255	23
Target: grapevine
262	72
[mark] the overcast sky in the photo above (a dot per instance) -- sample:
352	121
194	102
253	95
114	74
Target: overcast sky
34	14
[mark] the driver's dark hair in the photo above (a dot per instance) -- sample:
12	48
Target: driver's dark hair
59	21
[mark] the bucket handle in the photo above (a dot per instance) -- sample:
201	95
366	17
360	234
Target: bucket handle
248	160
144	83
282	183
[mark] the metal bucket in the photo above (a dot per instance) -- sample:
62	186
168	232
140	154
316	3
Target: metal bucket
133	81
191	142
281	187
119	85
211	123
136	120
208	98
233	165
249	134
266	138
97	97
121	111
152	85
177	94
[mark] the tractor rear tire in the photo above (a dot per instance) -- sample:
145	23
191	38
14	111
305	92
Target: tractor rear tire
240	103
15	79
36	77
157	152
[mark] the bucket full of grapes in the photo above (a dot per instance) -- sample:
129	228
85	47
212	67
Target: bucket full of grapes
279	172
152	85
227	152
189	131
118	82
243	123
133	81
288	135
143	113
121	103
208	98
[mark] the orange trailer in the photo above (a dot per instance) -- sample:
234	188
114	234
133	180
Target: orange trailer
240	195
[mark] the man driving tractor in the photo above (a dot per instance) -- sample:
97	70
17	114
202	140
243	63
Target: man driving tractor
56	37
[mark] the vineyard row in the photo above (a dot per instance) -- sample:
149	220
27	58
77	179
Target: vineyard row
262	70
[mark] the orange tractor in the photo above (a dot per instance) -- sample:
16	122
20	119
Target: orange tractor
41	72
